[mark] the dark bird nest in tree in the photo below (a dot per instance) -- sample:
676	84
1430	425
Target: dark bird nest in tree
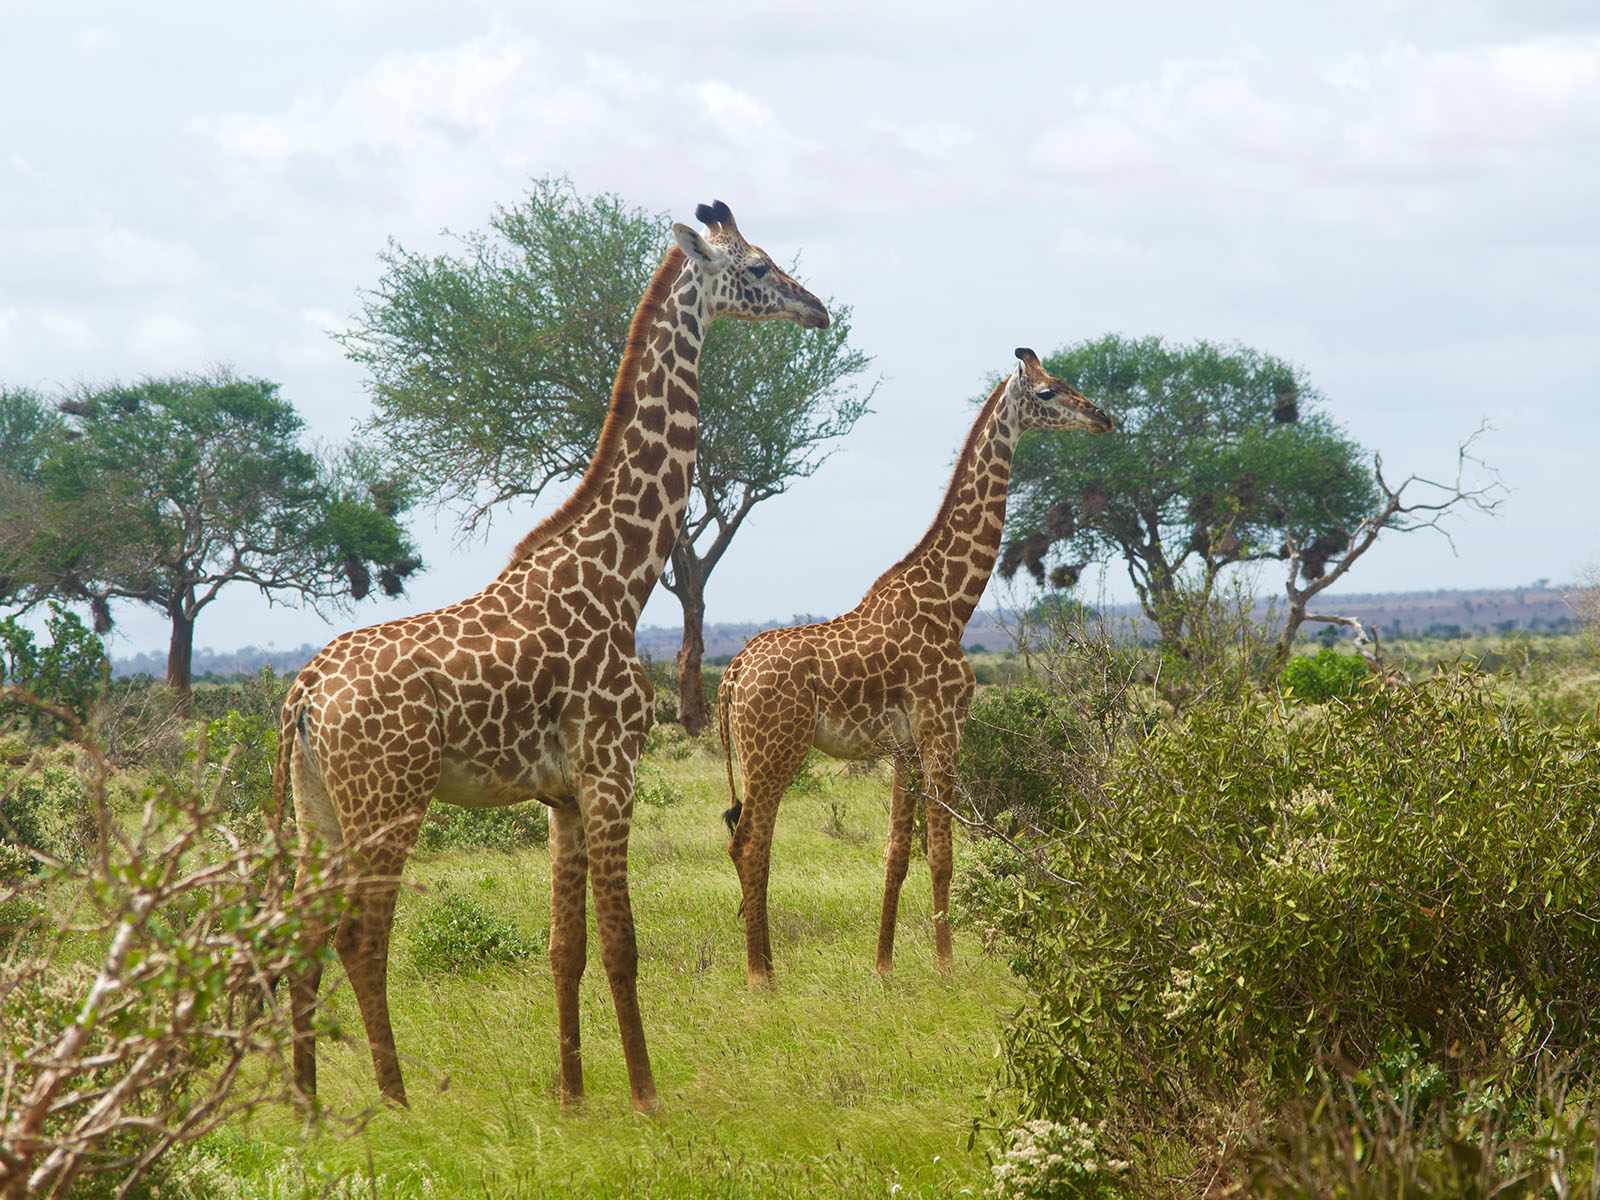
1286	402
1314	558
360	578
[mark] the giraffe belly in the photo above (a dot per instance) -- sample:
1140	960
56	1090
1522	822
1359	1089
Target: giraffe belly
470	785
844	737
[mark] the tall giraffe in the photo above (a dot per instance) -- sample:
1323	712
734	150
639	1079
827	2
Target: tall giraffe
529	690
888	677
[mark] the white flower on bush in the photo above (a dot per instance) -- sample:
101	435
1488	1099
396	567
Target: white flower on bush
1047	1161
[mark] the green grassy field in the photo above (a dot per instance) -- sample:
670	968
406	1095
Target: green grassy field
837	1082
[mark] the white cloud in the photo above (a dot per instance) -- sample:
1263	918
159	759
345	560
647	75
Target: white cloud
738	114
164	341
1490	107
1403	111
407	103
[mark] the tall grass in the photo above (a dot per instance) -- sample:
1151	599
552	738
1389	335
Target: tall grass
836	1083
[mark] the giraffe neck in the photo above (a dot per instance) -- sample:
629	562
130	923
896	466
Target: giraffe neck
958	552
619	526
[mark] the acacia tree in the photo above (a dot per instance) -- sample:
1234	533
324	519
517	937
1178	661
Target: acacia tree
166	491
491	371
1221	457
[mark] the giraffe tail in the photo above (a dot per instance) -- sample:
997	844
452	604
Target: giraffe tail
724	704
287	723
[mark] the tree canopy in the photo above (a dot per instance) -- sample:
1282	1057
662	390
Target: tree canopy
491	372
1222	456
165	491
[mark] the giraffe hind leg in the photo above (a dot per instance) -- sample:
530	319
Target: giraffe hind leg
318	825
606	802
362	941
750	847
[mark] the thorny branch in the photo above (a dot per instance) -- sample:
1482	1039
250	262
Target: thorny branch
1395	511
114	1061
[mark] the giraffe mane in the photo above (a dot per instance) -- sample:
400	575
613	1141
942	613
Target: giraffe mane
623	406
969	449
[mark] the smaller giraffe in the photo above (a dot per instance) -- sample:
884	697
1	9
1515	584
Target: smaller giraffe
889	677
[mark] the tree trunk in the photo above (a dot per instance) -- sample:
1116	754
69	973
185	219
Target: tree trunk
179	655
691	686
1291	627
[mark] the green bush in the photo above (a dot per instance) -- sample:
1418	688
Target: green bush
1012	750
71	672
1375	1139
656	790
1324	675
506	829
43	808
243	748
457	933
809	780
1413	867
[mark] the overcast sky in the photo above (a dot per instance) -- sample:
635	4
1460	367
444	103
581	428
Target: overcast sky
1401	196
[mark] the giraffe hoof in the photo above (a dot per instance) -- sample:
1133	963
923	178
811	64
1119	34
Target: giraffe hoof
647	1105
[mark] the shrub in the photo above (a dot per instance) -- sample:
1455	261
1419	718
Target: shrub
1047	1161
137	724
506	829
1410	867
457	933
127	1023
809	780
43	807
1373	1139
656	790
242	749
1011	752
71	672
1324	675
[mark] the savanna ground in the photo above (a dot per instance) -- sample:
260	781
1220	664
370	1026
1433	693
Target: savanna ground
837	1082
1257	942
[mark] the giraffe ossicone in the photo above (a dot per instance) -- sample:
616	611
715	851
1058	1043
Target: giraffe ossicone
530	689
888	678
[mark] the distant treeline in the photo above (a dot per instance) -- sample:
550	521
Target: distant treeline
216	664
1437	614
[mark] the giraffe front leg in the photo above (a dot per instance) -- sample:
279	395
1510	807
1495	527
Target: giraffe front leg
569	877
939	757
896	858
607	806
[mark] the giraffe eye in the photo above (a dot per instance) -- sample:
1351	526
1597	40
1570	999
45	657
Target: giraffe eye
761	270
1046	394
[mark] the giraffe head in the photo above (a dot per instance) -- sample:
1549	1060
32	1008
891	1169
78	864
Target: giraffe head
1045	402
741	280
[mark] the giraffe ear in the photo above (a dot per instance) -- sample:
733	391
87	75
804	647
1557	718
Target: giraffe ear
1027	357
698	249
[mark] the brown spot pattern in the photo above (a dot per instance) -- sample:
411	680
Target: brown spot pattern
528	690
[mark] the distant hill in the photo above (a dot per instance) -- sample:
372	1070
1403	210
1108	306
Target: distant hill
1537	608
